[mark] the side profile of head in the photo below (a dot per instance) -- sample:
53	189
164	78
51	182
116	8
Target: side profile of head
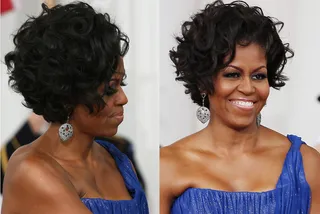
68	64
233	53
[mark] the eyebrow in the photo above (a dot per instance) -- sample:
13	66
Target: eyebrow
240	69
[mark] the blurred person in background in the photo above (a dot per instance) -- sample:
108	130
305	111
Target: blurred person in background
68	65
228	56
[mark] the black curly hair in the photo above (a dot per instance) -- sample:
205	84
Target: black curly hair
212	35
61	58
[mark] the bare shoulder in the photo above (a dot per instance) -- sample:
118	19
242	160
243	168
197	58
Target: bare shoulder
33	178
176	154
275	142
311	164
310	156
274	137
170	157
175	161
33	165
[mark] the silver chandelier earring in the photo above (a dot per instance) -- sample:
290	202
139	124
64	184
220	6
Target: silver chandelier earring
65	131
258	120
203	113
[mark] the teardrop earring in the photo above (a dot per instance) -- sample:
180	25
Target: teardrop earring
65	131
203	113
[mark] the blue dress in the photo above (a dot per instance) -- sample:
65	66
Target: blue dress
138	203
292	194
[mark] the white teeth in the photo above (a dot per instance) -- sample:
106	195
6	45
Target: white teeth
243	103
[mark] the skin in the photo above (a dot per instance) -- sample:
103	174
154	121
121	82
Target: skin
36	122
239	149
48	176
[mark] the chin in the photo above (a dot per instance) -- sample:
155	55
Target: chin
242	124
112	132
108	133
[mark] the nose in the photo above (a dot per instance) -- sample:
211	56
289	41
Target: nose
246	86
121	98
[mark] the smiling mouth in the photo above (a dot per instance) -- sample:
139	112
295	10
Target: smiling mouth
242	104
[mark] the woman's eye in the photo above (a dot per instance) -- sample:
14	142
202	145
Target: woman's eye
259	76
232	75
111	89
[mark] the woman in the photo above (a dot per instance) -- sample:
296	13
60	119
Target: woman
68	65
229	55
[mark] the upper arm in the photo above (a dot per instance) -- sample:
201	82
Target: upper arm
311	162
32	186
166	181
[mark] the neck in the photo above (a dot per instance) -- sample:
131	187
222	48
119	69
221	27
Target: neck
78	148
227	140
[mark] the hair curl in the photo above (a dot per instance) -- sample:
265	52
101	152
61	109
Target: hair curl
212	35
61	58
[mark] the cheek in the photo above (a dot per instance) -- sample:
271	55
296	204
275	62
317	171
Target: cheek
224	87
222	91
263	91
103	113
84	118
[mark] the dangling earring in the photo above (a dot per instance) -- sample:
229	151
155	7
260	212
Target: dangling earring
258	120
203	113
65	131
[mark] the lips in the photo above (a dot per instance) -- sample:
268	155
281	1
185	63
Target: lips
117	113
118	116
243	104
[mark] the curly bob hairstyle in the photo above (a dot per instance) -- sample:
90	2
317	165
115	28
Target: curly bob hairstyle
212	35
61	58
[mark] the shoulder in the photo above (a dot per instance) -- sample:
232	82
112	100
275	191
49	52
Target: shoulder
317	147
311	164
176	154
176	160
274	142
169	160
310	156
274	137
32	171
36	183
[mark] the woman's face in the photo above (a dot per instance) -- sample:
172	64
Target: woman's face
105	123
241	89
